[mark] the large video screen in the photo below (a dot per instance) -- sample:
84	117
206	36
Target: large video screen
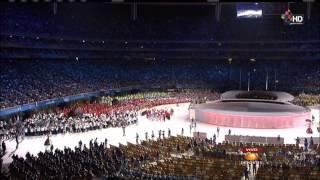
249	10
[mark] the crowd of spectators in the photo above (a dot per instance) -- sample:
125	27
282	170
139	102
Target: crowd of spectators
132	161
80	163
25	82
49	38
306	99
84	162
30	81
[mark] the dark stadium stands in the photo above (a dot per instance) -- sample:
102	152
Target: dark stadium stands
25	81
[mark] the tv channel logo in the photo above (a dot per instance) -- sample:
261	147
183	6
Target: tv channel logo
292	19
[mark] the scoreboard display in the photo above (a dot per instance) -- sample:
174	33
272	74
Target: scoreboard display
249	10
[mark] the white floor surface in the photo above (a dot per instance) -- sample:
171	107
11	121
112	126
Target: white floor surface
114	135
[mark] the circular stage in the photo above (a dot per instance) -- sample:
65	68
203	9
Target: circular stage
251	113
266	95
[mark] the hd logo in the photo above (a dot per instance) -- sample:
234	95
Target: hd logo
291	19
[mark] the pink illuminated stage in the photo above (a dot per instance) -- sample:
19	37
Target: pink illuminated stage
257	114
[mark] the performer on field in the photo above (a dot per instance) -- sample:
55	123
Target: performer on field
47	143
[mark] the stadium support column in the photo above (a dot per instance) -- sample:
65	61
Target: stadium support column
134	11
248	81
309	10
275	80
267	78
217	12
55	8
240	79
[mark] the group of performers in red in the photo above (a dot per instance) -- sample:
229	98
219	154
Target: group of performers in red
159	114
97	108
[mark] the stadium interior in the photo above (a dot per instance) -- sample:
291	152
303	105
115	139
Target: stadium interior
160	90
